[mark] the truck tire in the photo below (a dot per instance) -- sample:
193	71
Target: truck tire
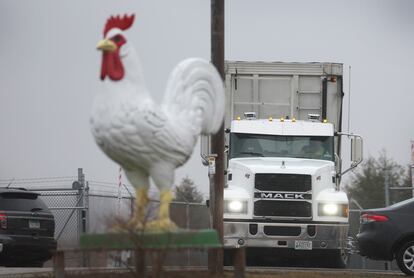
405	258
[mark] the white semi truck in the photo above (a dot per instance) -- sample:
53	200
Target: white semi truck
282	197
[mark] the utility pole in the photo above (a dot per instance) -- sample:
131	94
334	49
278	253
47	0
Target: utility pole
215	256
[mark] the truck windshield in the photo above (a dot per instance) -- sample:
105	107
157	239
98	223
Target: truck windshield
258	145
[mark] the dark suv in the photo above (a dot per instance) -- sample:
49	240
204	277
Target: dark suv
27	229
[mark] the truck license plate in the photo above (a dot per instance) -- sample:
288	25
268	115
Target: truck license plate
34	224
303	245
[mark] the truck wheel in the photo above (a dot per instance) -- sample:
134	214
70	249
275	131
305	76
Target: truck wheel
405	258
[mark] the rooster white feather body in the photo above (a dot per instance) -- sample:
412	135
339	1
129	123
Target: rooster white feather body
148	139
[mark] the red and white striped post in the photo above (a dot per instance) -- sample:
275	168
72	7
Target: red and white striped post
118	211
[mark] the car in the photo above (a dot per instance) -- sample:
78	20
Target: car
27	229
388	233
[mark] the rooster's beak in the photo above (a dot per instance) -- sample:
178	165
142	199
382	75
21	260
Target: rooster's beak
106	45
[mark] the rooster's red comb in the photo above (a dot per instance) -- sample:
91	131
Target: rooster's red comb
122	23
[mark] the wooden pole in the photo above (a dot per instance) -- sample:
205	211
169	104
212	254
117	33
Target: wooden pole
215	256
59	264
239	262
140	267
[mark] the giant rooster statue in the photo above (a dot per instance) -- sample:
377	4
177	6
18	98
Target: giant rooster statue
145	138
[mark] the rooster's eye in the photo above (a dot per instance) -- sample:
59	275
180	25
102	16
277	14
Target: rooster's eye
117	38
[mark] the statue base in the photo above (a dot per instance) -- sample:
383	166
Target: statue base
148	240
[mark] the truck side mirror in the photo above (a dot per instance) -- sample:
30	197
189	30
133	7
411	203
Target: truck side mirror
356	150
338	163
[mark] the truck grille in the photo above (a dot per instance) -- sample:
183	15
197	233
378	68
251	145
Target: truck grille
291	209
283	182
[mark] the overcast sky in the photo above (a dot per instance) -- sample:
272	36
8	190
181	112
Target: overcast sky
49	68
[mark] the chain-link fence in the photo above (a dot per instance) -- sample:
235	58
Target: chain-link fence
104	209
65	206
69	207
81	206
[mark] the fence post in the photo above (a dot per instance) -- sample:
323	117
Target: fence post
85	220
81	213
187	213
79	198
87	212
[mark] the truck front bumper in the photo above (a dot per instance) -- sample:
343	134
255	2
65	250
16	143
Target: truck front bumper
323	236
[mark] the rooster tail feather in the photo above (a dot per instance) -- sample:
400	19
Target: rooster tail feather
195	96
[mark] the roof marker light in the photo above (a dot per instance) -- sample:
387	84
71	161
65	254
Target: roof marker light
238	118
282	119
325	121
293	120
314	117
250	115
270	119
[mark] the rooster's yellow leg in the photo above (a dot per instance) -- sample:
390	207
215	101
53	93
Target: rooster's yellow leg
163	222
141	201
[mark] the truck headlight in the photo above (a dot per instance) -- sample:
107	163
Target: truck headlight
235	206
331	209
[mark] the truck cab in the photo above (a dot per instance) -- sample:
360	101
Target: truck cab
282	195
281	189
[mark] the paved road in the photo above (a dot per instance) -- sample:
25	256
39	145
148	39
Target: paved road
23	271
6	272
321	270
